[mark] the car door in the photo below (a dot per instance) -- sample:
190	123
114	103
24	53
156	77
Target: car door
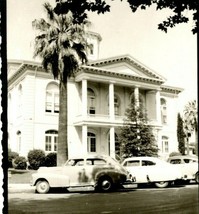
149	170
136	170
75	170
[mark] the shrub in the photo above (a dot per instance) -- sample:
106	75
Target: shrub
51	159
20	162
174	154
11	157
36	158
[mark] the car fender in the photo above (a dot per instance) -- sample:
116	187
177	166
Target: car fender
113	174
54	180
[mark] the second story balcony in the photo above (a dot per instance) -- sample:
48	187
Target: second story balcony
99	120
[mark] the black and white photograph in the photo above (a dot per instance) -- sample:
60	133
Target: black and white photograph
101	107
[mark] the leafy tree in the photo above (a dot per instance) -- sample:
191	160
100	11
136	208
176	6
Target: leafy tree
136	136
180	135
62	46
191	122
79	8
179	9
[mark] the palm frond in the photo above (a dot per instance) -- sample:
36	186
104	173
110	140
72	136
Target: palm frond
40	24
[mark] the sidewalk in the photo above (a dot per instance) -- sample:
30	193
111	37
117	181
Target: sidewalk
19	181
20	188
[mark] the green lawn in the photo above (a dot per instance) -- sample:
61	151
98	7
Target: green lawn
19	176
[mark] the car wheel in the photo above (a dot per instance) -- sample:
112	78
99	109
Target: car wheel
42	187
162	184
105	184
197	177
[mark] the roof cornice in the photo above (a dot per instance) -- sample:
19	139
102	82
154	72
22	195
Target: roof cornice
106	72
129	59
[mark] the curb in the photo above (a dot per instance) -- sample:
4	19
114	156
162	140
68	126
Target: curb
20	188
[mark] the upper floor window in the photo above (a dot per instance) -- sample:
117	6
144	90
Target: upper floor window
91	101
52	98
116	104
163	110
91	142
91	49
165	144
51	139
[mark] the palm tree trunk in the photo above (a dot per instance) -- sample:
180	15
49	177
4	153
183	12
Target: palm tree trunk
196	143
62	151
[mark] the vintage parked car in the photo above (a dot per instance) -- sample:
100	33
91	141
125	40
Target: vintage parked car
151	170
188	165
102	172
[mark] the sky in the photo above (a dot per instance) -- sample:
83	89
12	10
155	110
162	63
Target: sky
173	54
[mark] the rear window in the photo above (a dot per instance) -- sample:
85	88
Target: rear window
132	163
175	161
95	161
148	163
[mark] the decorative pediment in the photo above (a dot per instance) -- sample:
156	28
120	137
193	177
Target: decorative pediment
126	65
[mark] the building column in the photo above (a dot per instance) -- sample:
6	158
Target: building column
112	142
84	98
111	101
84	139
136	96
158	110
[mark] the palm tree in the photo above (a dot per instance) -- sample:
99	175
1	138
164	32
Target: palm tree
62	46
191	123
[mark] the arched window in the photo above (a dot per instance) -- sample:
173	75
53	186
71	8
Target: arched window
91	101
52	98
51	139
163	110
165	144
91	142
19	141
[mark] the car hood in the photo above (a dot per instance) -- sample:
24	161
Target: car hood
50	169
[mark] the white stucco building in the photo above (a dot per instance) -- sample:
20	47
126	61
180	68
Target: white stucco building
98	95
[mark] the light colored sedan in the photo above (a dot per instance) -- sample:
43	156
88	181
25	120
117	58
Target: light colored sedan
102	172
152	170
188	165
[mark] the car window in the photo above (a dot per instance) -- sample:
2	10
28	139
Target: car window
175	161
79	162
95	161
132	163
148	163
187	160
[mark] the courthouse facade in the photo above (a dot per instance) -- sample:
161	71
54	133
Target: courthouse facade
98	96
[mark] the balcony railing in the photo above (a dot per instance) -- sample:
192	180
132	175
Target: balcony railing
99	120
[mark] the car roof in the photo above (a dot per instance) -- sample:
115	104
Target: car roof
89	156
183	156
142	158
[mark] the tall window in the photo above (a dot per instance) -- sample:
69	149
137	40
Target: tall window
19	141
91	101
116	105
91	142
52	98
163	110
20	96
51	138
165	144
